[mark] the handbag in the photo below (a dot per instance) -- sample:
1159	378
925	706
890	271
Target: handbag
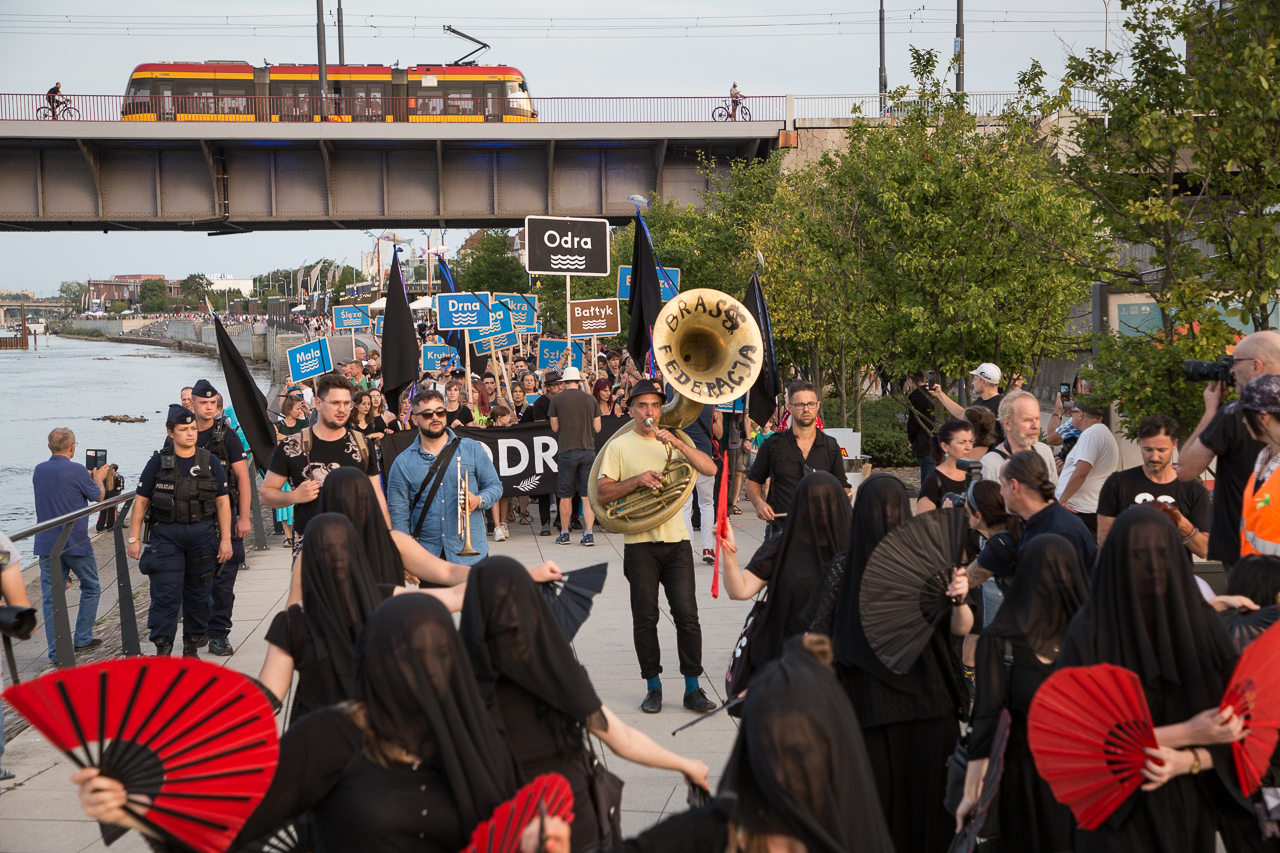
958	763
606	798
740	668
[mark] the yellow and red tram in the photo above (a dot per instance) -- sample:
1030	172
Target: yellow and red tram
233	90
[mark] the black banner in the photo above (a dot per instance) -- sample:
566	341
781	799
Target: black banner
524	455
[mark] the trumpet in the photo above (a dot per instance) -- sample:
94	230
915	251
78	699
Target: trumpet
464	513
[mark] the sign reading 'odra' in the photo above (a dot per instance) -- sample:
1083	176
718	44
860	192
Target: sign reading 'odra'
561	245
592	317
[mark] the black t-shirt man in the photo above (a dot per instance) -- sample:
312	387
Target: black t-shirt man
539	411
993	405
1237	451
920	422
1122	488
288	461
779	461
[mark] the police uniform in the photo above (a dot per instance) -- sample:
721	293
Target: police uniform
224	444
182	549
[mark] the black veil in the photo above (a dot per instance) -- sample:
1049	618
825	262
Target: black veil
799	766
348	491
339	595
817	528
1049	588
417	686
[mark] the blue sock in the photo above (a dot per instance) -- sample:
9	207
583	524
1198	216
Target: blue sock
690	683
654	683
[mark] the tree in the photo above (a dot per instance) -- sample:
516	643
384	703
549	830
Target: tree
154	296
74	296
119	306
489	266
194	288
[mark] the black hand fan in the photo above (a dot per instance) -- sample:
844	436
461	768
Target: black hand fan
966	840
570	599
904	587
1245	626
193	744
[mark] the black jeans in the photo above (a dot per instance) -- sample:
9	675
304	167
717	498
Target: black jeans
646	565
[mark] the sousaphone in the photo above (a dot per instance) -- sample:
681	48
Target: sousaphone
709	349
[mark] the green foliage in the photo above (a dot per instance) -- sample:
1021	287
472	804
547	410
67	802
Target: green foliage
194	287
74	295
490	266
420	272
153	295
118	305
884	438
84	333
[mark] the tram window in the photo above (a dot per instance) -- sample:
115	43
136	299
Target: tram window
461	102
140	89
232	100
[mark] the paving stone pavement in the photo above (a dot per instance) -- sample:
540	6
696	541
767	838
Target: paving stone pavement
39	811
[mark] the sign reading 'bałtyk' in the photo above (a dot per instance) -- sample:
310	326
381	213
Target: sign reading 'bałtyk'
561	245
592	317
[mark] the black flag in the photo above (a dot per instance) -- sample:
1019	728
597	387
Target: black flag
400	352
762	399
646	296
247	398
453	337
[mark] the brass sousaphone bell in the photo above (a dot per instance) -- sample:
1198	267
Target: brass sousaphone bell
710	350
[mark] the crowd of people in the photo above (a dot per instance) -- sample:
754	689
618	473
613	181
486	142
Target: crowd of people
1071	561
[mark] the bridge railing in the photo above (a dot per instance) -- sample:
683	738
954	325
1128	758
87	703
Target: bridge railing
443	109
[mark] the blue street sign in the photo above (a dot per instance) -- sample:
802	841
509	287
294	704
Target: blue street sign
549	353
499	324
524	311
433	354
497	343
350	317
462	310
739	405
377	325
310	359
669	288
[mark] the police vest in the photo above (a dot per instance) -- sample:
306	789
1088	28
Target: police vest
217	445
189	499
1260	520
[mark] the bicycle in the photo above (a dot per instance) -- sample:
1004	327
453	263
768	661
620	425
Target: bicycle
724	112
62	110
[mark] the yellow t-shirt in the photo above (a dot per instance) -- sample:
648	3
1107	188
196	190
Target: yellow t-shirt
629	455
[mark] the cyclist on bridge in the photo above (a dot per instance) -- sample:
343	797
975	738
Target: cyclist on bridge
54	96
735	97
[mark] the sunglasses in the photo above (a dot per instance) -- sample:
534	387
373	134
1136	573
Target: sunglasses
431	413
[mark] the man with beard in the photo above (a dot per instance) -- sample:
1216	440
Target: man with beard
1020	418
422	486
305	459
785	458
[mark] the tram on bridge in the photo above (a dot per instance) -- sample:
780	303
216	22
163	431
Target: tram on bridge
234	90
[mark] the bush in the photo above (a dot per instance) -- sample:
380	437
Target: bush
86	333
884	438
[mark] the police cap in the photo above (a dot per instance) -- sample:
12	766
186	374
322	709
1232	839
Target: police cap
203	389
180	415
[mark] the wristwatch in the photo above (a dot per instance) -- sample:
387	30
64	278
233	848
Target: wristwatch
133	539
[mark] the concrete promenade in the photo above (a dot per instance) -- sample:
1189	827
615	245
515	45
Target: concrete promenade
39	812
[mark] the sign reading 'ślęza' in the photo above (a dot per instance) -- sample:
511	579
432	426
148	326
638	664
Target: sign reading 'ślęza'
592	317
350	317
561	245
309	360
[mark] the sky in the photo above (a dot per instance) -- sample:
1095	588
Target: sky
563	47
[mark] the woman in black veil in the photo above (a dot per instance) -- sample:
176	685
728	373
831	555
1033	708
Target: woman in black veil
910	722
1016	653
541	696
798	774
1146	614
412	763
789	567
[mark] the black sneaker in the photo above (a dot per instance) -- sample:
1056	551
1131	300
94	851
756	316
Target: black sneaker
92	644
652	703
575	524
221	647
696	700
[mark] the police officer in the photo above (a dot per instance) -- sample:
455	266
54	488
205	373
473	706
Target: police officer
183	494
217	436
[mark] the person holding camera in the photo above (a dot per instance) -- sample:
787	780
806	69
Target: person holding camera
1095	457
950	446
921	419
1225	435
13	593
62	486
986	393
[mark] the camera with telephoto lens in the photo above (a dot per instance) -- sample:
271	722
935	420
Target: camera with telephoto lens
17	622
1208	371
972	469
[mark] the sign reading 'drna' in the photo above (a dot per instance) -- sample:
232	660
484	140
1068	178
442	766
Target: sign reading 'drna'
561	245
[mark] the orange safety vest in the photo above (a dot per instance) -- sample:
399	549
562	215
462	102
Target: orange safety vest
1260	521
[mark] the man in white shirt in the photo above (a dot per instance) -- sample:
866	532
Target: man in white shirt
1020	417
1095	457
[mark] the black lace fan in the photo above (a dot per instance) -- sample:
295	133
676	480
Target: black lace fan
570	599
1245	626
904	587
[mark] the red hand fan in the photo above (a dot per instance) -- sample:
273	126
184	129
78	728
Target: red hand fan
1087	728
1254	693
548	795
194	744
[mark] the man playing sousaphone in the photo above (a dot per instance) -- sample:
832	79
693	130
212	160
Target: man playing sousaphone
661	554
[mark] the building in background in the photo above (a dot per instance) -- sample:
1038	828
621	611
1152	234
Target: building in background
127	288
223	282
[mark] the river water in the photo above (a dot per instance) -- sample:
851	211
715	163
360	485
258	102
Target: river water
68	383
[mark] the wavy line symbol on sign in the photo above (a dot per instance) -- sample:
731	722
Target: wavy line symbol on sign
569	262
529	484
467	317
589	325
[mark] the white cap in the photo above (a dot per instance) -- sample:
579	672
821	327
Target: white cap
987	371
571	374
